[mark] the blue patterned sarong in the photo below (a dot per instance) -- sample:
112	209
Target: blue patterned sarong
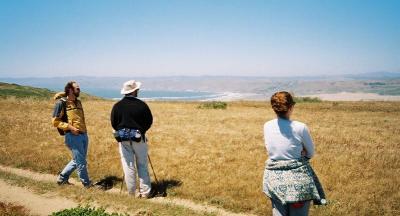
292	181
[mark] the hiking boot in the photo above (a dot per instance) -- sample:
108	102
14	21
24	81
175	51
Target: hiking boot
62	182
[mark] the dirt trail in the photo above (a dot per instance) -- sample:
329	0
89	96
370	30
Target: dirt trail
51	178
37	204
32	175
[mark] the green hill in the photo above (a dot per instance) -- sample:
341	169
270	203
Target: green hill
19	91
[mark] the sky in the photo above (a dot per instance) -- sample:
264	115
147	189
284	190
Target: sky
198	37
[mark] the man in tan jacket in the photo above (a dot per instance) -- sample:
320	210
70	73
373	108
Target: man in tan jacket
69	118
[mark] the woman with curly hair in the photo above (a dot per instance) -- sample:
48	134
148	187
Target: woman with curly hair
289	180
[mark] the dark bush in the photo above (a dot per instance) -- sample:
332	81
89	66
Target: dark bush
213	105
307	100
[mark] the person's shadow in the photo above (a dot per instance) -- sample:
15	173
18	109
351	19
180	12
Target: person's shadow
107	182
159	188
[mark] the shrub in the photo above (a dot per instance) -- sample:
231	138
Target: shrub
307	100
87	211
213	105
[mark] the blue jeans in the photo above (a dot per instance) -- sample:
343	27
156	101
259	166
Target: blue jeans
78	144
278	209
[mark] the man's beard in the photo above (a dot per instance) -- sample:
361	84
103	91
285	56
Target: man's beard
76	94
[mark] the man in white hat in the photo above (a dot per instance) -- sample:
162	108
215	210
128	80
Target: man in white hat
131	118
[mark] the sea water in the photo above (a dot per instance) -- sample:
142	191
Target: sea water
154	94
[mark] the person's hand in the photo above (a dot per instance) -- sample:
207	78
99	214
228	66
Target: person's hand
303	153
74	130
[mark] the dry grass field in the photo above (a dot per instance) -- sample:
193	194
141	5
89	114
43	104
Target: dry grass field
10	209
218	155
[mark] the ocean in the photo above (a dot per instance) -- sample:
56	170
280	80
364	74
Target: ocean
155	94
110	88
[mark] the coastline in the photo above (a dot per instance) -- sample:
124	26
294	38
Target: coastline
235	96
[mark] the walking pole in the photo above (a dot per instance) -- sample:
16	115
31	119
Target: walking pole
151	164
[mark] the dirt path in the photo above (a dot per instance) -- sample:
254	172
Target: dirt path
37	204
51	178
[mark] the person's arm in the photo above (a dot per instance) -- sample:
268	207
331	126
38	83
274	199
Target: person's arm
59	123
114	118
57	117
307	142
148	121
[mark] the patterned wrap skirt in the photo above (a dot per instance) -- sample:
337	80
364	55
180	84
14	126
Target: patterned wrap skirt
291	181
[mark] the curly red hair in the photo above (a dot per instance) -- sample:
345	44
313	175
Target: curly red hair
281	102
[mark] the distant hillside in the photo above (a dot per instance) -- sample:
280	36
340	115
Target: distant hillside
7	90
382	83
19	91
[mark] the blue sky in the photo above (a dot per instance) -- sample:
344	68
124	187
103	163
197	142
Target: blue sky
204	37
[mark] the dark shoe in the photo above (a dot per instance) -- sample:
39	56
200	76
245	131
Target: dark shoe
62	182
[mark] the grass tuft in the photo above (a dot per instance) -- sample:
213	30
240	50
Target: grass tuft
87	211
307	100
213	105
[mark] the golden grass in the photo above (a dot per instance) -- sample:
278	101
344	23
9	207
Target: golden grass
114	202
10	209
219	155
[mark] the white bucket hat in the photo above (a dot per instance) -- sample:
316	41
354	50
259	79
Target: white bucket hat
130	86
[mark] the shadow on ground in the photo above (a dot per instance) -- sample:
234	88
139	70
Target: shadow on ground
159	189
107	182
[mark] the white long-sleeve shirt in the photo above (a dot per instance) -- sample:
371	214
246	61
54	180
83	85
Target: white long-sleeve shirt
285	139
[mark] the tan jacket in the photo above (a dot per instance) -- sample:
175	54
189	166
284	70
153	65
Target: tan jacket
74	111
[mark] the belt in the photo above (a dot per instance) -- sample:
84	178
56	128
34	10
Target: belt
133	140
80	132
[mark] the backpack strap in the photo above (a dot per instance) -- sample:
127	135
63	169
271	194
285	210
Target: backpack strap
63	100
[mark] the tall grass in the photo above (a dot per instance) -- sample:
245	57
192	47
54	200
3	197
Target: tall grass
219	155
